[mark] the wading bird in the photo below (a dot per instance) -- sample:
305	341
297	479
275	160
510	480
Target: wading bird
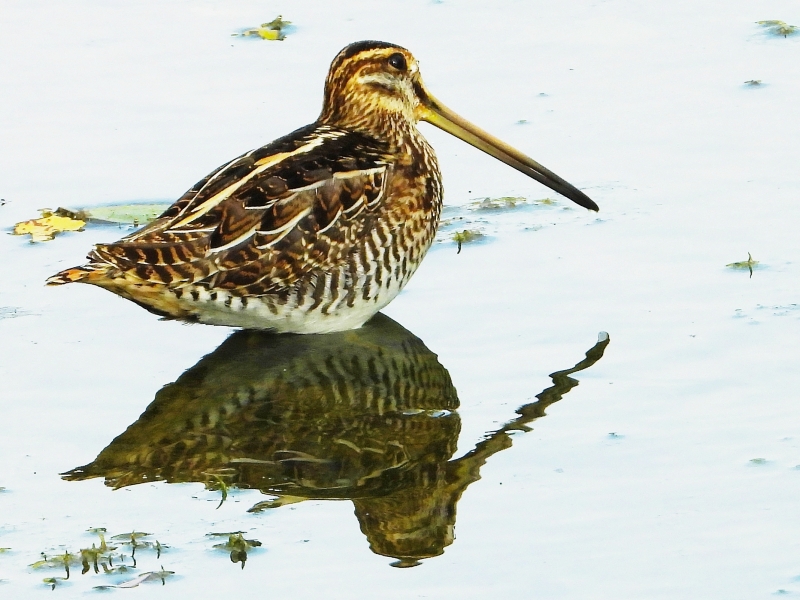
316	231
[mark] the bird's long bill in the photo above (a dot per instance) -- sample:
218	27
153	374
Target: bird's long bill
435	113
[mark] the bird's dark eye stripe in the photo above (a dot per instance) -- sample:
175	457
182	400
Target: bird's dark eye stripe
398	61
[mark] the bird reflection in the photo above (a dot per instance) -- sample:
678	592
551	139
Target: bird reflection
367	415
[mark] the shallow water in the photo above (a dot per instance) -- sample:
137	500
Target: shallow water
670	471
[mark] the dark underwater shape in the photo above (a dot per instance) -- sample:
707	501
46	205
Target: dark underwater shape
367	415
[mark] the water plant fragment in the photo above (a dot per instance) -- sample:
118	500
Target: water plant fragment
46	227
52	581
133	539
59	560
504	202
237	545
778	27
466	236
274	30
745	264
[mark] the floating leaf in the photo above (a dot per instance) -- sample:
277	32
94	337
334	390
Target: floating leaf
48	225
778	27
124	214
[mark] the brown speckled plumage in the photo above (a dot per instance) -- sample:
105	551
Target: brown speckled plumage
315	231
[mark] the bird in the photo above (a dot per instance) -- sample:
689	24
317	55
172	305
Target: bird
316	231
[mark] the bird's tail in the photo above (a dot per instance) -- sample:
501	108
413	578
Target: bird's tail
90	273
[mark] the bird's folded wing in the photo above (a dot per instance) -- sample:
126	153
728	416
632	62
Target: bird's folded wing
263	220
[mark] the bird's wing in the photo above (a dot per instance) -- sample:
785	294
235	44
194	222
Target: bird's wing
261	221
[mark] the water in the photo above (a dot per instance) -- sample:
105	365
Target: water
670	471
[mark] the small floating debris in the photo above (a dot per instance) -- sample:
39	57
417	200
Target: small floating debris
778	27
745	264
46	227
758	461
274	30
753	82
466	236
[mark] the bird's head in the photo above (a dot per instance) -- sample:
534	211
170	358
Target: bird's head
376	88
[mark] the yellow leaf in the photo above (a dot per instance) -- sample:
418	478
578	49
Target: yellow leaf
269	34
47	226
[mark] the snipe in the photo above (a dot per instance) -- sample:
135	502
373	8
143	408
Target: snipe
316	231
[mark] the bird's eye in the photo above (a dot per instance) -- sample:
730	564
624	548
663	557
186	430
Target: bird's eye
398	61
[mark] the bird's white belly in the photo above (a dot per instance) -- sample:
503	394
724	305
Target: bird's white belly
297	313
